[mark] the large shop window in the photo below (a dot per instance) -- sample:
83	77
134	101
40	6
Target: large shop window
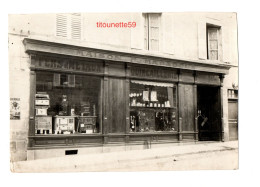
152	107
67	104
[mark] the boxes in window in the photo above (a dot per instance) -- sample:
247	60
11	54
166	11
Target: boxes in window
86	124
43	125
42	99
64	124
41	111
85	109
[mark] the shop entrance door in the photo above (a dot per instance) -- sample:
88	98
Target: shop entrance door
209	112
233	119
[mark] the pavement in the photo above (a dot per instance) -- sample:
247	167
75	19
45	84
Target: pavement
122	161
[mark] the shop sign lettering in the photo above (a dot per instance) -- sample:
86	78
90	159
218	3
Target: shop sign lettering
153	73
64	64
97	55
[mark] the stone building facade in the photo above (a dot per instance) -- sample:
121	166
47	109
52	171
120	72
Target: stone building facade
182	61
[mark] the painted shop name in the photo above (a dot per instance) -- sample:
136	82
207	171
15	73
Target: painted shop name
156	73
67	65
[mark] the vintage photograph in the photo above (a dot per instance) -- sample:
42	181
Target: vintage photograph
133	91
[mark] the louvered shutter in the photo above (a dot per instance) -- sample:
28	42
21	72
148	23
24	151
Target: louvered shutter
69	26
226	42
61	25
146	37
75	26
56	79
71	80
137	32
168	33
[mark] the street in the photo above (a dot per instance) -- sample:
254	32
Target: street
200	161
200	156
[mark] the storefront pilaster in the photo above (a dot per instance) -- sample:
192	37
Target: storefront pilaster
221	90
180	111
105	129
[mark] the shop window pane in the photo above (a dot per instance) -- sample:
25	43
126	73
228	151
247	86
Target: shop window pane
74	103
152	107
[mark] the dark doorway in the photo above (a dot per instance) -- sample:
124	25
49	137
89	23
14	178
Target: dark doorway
209	112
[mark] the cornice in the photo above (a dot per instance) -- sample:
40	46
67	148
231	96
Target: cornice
34	46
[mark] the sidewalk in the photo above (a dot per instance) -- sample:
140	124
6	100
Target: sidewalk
112	160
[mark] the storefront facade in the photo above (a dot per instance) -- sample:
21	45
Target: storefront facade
85	99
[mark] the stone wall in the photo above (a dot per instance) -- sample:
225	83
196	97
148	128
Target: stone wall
19	81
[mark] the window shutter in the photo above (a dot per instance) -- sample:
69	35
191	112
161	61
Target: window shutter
202	41
71	80
168	33
61	25
75	26
226	40
69	26
146	31
56	79
137	36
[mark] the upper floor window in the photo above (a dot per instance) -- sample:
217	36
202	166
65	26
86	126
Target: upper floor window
213	42
151	31
69	25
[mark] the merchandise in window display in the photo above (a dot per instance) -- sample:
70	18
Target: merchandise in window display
64	106
43	123
151	120
87	124
155	111
146	95
87	120
64	124
71	97
85	109
154	96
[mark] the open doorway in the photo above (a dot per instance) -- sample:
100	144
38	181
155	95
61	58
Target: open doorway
209	112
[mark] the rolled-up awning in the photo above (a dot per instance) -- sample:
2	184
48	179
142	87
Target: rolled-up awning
153	83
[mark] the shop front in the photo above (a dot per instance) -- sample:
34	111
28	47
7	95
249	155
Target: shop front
99	100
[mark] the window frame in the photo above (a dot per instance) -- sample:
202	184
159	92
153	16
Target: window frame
175	106
73	75
148	30
218	39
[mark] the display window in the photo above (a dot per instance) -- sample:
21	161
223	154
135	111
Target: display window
153	106
67	104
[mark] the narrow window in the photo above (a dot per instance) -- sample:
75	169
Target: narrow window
213	43
151	31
